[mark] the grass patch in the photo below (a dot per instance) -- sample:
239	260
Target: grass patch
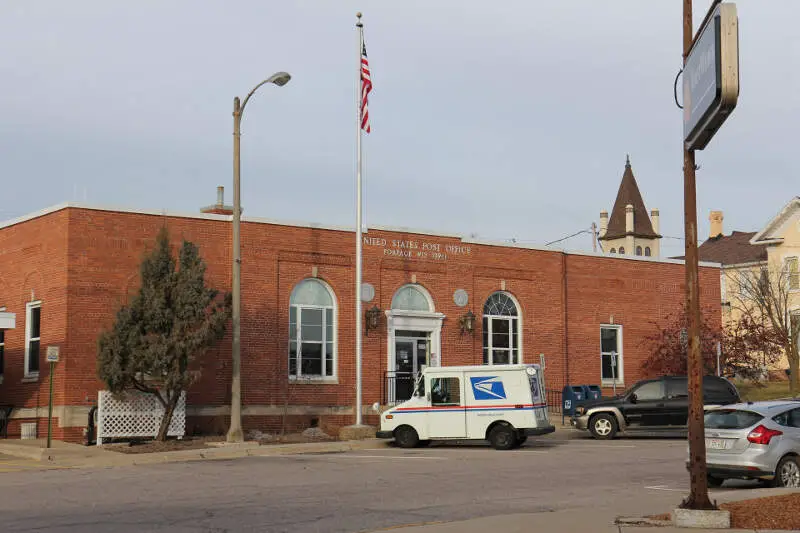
751	392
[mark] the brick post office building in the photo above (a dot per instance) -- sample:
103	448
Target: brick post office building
66	270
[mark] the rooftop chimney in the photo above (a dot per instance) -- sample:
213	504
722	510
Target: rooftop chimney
654	218
603	222
629	218
219	208
716	224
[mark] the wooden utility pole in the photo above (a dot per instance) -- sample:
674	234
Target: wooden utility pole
698	495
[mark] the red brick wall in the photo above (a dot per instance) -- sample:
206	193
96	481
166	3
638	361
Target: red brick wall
637	294
99	254
33	260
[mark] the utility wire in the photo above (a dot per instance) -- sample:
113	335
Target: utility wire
569	236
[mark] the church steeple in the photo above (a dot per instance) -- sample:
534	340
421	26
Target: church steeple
628	194
629	229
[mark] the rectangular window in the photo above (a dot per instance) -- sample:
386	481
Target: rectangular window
2	351
445	391
500	340
611	367
33	316
311	342
792	273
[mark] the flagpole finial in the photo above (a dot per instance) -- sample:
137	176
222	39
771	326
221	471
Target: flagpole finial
358	15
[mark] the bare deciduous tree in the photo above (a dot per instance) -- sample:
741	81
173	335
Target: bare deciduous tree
765	295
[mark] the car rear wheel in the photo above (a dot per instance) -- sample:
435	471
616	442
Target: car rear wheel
503	437
603	426
788	473
406	437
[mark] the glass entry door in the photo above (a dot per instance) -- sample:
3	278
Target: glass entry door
411	352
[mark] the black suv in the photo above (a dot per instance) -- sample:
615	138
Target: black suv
651	407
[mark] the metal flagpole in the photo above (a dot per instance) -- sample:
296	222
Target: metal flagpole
358	222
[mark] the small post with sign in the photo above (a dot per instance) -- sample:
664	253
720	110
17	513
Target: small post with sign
52	358
614	371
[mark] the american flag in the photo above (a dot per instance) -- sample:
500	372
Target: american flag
366	88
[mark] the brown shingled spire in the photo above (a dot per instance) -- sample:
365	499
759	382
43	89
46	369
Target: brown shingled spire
629	194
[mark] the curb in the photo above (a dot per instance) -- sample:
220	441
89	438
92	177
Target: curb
109	458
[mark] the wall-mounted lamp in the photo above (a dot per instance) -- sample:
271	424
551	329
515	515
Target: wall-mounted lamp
373	318
467	322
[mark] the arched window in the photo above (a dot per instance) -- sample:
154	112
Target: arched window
312	330
622	250
500	330
613	250
638	250
647	251
412	298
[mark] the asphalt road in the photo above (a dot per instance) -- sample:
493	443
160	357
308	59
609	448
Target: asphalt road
350	492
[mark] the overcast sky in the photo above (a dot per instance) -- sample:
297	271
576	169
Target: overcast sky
506	119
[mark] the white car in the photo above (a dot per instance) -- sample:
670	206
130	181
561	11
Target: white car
754	440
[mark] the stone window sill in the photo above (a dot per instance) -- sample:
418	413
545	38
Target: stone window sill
33	378
313	381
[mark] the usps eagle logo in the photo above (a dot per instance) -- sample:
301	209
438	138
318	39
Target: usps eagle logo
488	388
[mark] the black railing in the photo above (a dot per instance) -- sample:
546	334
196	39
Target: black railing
398	387
553	401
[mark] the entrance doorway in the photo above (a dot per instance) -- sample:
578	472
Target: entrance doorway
411	352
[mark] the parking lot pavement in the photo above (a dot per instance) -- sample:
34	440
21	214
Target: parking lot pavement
356	491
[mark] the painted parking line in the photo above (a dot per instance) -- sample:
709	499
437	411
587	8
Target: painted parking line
427	457
665	488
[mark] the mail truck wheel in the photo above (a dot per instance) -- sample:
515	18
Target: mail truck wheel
502	437
406	437
603	426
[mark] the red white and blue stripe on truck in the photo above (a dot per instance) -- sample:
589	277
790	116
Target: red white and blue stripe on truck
467	408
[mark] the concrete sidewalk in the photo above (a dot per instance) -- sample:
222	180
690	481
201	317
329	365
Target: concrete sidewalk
593	520
567	521
77	456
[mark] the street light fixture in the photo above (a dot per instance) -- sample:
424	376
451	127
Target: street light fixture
235	433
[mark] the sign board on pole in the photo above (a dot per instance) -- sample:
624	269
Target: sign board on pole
52	354
711	77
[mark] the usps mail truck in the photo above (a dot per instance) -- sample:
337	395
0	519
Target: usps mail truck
503	404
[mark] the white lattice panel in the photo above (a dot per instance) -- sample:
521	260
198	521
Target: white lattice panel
136	414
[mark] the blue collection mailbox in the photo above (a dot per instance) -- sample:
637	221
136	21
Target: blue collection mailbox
571	397
593	392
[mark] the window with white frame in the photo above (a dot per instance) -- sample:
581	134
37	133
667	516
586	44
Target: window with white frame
611	354
411	298
2	352
312	331
33	330
500	330
790	266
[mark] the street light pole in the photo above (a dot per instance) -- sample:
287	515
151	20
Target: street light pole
235	433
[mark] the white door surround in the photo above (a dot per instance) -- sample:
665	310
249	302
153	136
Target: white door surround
429	322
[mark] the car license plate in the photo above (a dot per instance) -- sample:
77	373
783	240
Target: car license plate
718	444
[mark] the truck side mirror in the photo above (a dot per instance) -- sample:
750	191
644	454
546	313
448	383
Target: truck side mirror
632	397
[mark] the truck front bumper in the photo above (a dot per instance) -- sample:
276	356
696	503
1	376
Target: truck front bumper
539	431
580	422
